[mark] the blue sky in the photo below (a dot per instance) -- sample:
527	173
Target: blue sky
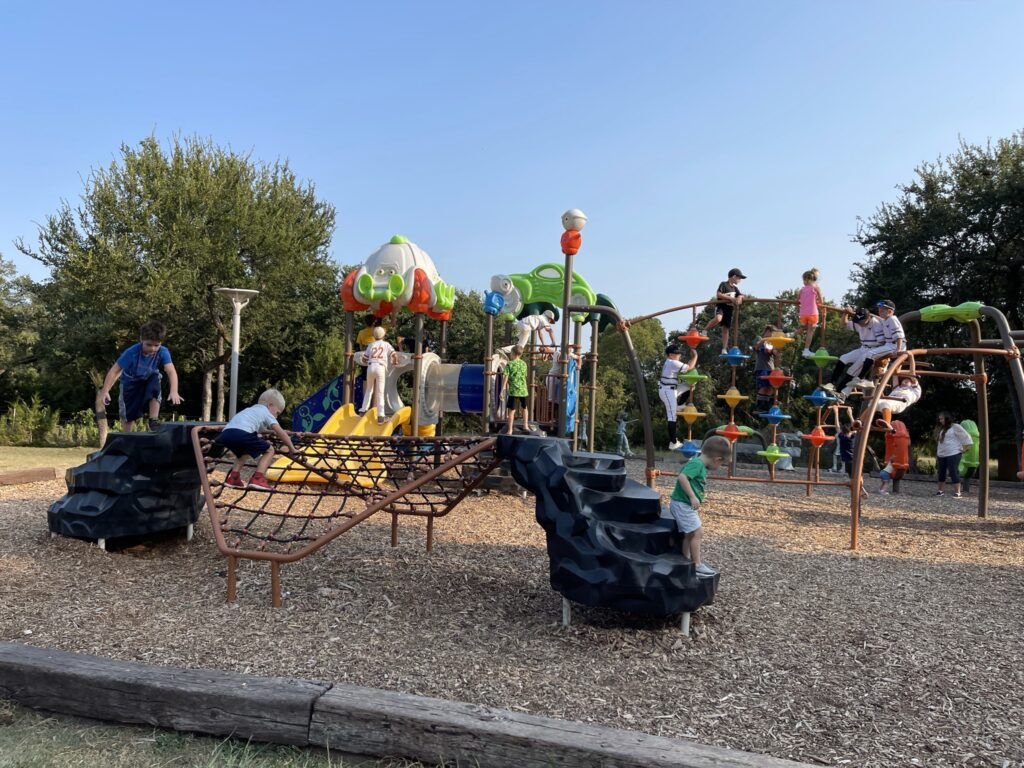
696	136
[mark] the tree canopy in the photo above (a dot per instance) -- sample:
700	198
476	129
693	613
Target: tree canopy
955	233
154	233
18	320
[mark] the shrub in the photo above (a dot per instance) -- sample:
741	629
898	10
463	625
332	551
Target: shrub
35	424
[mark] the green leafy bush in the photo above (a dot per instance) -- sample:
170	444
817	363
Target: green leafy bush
35	424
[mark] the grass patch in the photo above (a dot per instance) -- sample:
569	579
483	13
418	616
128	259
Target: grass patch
30	739
17	457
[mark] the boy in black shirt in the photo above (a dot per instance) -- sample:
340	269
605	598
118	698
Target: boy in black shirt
728	292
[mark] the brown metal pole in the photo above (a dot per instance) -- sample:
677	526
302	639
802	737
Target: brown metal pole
860	446
232	583
563	374
394	529
430	533
488	373
442	347
417	371
593	384
983	434
349	384
531	378
577	342
811	461
275	584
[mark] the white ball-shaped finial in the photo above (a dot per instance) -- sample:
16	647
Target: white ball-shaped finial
574	218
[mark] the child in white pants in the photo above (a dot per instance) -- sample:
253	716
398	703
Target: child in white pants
376	358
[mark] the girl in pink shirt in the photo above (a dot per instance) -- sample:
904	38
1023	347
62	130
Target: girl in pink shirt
810	298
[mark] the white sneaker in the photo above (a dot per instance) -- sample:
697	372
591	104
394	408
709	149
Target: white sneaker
675	446
807	353
706	570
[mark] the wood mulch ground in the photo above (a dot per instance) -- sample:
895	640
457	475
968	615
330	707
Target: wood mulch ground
907	652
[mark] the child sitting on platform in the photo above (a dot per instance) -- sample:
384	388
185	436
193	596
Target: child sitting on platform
900	397
688	495
241	436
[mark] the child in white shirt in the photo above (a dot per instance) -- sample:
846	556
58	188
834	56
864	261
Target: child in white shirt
376	358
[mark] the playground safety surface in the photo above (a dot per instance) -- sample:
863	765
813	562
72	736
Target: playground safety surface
909	648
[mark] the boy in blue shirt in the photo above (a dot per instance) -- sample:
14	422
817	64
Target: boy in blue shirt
241	436
138	368
688	495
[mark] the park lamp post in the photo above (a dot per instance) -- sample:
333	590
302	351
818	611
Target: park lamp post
240	297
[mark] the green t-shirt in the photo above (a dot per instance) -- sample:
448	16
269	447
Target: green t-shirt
697	474
515	375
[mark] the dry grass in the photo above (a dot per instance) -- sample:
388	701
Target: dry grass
906	652
17	457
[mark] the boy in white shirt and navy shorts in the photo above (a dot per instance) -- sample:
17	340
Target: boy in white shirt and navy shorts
241	436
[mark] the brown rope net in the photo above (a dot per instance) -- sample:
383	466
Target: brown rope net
331	483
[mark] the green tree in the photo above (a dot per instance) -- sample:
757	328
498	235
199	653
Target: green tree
154	233
19	316
954	234
616	389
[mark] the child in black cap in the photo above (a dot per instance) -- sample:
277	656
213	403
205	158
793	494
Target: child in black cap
729	293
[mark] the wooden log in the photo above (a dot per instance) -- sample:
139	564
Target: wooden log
367	721
18	476
202	701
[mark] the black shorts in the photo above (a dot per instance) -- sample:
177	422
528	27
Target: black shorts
725	311
514	402
242	443
760	381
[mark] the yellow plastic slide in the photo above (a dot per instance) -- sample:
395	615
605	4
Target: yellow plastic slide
344	421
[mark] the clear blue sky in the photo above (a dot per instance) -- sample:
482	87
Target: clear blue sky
696	136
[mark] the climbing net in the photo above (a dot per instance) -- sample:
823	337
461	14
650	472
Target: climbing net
331	483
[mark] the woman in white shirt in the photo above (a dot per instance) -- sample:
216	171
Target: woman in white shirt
951	441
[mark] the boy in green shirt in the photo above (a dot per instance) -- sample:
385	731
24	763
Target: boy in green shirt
688	495
515	386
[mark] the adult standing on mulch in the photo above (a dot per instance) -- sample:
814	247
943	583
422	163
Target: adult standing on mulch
951	441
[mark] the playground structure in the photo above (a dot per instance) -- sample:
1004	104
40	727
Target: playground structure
606	529
1004	345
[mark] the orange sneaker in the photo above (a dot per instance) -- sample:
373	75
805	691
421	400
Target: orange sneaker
259	480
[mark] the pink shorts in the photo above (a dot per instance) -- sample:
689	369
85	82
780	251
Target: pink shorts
808	319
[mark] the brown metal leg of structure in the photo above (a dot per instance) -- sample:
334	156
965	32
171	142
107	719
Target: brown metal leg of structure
275	583
394	529
232	565
430	533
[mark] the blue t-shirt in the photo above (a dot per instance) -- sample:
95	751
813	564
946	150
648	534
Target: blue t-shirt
255	418
135	366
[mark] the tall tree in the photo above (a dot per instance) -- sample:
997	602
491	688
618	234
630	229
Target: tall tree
955	233
19	317
154	233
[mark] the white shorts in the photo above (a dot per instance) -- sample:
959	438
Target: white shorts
686	517
896	406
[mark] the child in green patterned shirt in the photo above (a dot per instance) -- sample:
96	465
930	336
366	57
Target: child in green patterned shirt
515	388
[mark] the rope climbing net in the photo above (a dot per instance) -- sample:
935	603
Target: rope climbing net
330	484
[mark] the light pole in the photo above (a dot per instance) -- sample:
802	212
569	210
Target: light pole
240	297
